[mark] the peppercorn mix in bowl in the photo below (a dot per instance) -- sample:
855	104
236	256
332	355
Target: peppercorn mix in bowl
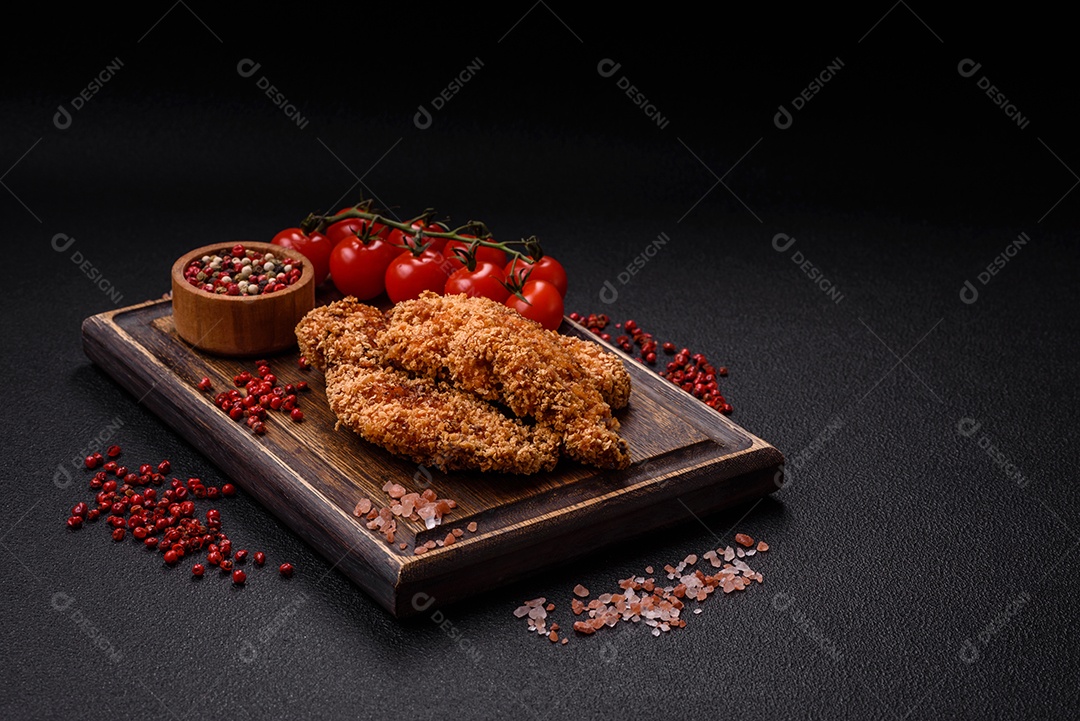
241	299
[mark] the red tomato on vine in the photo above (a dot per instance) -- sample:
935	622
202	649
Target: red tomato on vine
353	228
483	253
486	281
436	244
409	275
543	303
360	270
313	246
547	268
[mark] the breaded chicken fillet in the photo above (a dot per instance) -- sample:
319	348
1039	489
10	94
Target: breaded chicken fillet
430	422
490	350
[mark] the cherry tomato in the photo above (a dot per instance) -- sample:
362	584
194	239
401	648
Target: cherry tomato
360	270
483	253
436	244
314	246
351	228
547	268
409	275
543	303
485	282
394	237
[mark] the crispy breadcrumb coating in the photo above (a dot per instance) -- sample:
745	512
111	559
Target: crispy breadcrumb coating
488	349
603	370
431	423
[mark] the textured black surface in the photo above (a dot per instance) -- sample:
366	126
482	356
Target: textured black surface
899	541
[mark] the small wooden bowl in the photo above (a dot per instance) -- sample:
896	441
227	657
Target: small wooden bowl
237	325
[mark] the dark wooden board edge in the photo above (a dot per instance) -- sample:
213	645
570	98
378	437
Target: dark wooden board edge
556	539
298	504
447	574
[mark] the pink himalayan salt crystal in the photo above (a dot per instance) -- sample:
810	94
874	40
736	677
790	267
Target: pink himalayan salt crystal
658	607
427	513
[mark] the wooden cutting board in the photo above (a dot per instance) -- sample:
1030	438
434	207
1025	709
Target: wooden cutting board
686	457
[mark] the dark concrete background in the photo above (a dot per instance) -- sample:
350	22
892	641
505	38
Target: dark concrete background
913	575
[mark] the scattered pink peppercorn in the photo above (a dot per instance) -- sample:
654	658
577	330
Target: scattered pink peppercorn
171	514
691	372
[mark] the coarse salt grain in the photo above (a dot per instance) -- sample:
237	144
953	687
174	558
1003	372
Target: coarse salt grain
641	600
414	507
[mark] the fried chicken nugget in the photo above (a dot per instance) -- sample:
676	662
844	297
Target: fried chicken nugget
603	370
418	418
489	349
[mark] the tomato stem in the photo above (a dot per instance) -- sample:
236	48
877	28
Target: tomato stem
474	233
